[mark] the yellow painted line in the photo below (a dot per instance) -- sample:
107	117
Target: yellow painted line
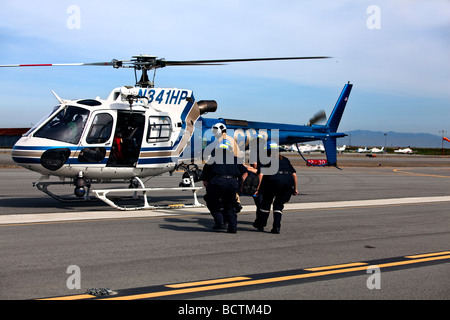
233	285
77	297
206	282
217	284
337	266
428	255
400	263
420	174
270	280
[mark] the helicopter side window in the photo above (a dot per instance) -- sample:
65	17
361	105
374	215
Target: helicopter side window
101	129
66	126
160	129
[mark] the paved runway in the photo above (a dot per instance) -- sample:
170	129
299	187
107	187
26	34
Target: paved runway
343	222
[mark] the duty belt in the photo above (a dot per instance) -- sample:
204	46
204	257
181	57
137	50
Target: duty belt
284	172
228	177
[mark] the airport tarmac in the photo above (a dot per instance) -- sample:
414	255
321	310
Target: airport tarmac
341	223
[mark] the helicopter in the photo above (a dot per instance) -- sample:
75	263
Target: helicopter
141	131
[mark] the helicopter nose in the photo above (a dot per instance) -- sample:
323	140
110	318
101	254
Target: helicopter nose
53	159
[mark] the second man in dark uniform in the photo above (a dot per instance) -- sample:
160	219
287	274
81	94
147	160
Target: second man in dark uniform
222	176
275	188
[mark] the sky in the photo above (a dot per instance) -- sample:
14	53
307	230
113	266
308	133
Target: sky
395	53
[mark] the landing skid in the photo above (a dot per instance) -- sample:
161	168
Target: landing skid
133	192
102	195
43	186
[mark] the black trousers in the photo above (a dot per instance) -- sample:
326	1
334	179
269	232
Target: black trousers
221	193
277	193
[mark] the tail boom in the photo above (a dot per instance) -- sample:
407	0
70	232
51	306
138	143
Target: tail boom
289	133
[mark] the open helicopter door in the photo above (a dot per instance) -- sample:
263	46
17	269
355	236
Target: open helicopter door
127	141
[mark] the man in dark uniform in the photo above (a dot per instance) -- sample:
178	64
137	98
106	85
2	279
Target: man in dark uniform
276	188
222	179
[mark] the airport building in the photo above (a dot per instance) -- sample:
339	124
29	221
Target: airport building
8	137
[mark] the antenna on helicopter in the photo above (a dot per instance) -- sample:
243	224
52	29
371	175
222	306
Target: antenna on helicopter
145	63
132	94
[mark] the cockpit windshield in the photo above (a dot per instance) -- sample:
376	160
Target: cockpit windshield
38	124
66	126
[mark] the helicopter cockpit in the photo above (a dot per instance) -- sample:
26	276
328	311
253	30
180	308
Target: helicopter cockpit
66	126
94	137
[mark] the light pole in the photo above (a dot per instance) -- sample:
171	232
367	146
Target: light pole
443	132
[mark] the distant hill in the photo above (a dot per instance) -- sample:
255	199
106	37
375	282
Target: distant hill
366	138
362	138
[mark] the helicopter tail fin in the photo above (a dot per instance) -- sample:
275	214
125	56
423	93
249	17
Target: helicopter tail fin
330	143
336	115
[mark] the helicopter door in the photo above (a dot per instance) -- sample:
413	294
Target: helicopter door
127	139
98	138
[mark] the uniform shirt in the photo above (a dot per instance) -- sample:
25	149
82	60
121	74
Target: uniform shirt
213	169
283	166
285	169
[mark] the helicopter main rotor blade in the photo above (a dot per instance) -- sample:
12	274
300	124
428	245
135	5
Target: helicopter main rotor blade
145	63
151	62
58	64
207	62
115	63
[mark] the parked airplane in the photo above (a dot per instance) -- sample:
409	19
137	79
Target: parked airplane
406	150
361	150
376	150
305	148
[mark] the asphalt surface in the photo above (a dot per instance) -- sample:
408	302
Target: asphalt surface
396	218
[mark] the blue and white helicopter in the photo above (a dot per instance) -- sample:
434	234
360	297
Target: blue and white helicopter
141	131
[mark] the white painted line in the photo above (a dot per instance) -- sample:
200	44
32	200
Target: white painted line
98	215
364	203
87	215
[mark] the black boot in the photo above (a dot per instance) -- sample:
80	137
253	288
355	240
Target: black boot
218	221
276	222
261	219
